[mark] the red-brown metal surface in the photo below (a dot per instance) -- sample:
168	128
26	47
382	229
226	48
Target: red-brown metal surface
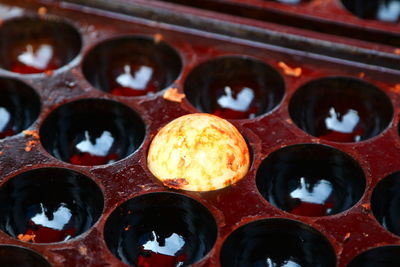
349	232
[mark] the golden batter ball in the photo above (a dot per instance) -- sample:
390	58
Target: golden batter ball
198	152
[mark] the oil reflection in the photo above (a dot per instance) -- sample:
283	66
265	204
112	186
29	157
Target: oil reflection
313	197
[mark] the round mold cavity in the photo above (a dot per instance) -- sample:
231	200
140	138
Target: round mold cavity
383	10
341	109
160	229
49	205
385	203
92	132
387	256
31	45
13	256
234	87
277	242
19	106
132	66
310	180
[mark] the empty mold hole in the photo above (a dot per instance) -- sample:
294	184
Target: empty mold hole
160	229
385	203
34	45
341	109
92	132
277	242
131	66
387	256
49	205
13	256
310	180
234	87
19	106
383	10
